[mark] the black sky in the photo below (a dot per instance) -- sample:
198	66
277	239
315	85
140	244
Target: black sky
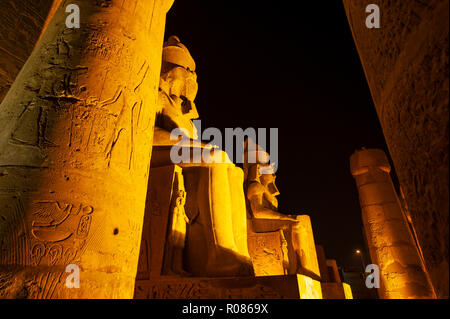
291	65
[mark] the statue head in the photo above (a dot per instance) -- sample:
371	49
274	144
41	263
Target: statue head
268	181
178	88
257	167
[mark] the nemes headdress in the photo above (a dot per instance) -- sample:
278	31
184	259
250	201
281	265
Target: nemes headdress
176	53
255	157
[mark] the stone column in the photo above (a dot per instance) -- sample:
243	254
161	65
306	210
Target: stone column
21	24
406	66
75	146
390	243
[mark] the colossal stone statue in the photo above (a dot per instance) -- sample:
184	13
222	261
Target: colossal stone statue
295	230
261	188
216	236
177	89
75	145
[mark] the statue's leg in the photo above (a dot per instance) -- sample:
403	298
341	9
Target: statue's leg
223	257
239	214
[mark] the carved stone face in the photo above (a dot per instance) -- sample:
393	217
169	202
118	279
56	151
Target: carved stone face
179	88
268	180
181	83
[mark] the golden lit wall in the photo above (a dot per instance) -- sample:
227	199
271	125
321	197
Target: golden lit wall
407	69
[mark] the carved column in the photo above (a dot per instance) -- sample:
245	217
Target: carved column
75	146
389	240
407	69
21	24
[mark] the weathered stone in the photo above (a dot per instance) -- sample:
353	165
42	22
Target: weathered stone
267	253
22	24
270	287
75	145
391	244
216	234
296	236
406	65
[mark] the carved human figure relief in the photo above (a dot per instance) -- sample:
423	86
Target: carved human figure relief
177	232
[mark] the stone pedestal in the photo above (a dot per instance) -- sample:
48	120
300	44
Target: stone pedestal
336	290
279	247
266	287
269	250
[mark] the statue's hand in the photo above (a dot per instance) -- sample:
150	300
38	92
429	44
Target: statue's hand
291	218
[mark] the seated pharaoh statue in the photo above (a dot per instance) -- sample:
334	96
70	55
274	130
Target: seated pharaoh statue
207	228
262	205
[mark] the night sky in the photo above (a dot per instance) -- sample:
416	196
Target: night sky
291	65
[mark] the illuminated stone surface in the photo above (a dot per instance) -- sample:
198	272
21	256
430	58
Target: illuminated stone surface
406	65
22	23
216	230
278	243
217	240
75	145
159	211
331	283
270	287
305	248
390	242
295	237
75	155
309	288
266	252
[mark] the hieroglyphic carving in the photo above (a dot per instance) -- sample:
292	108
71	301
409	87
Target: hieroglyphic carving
104	46
275	287
59	231
267	254
13	244
63	97
77	102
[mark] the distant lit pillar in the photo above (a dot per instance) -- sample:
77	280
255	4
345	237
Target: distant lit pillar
390	243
